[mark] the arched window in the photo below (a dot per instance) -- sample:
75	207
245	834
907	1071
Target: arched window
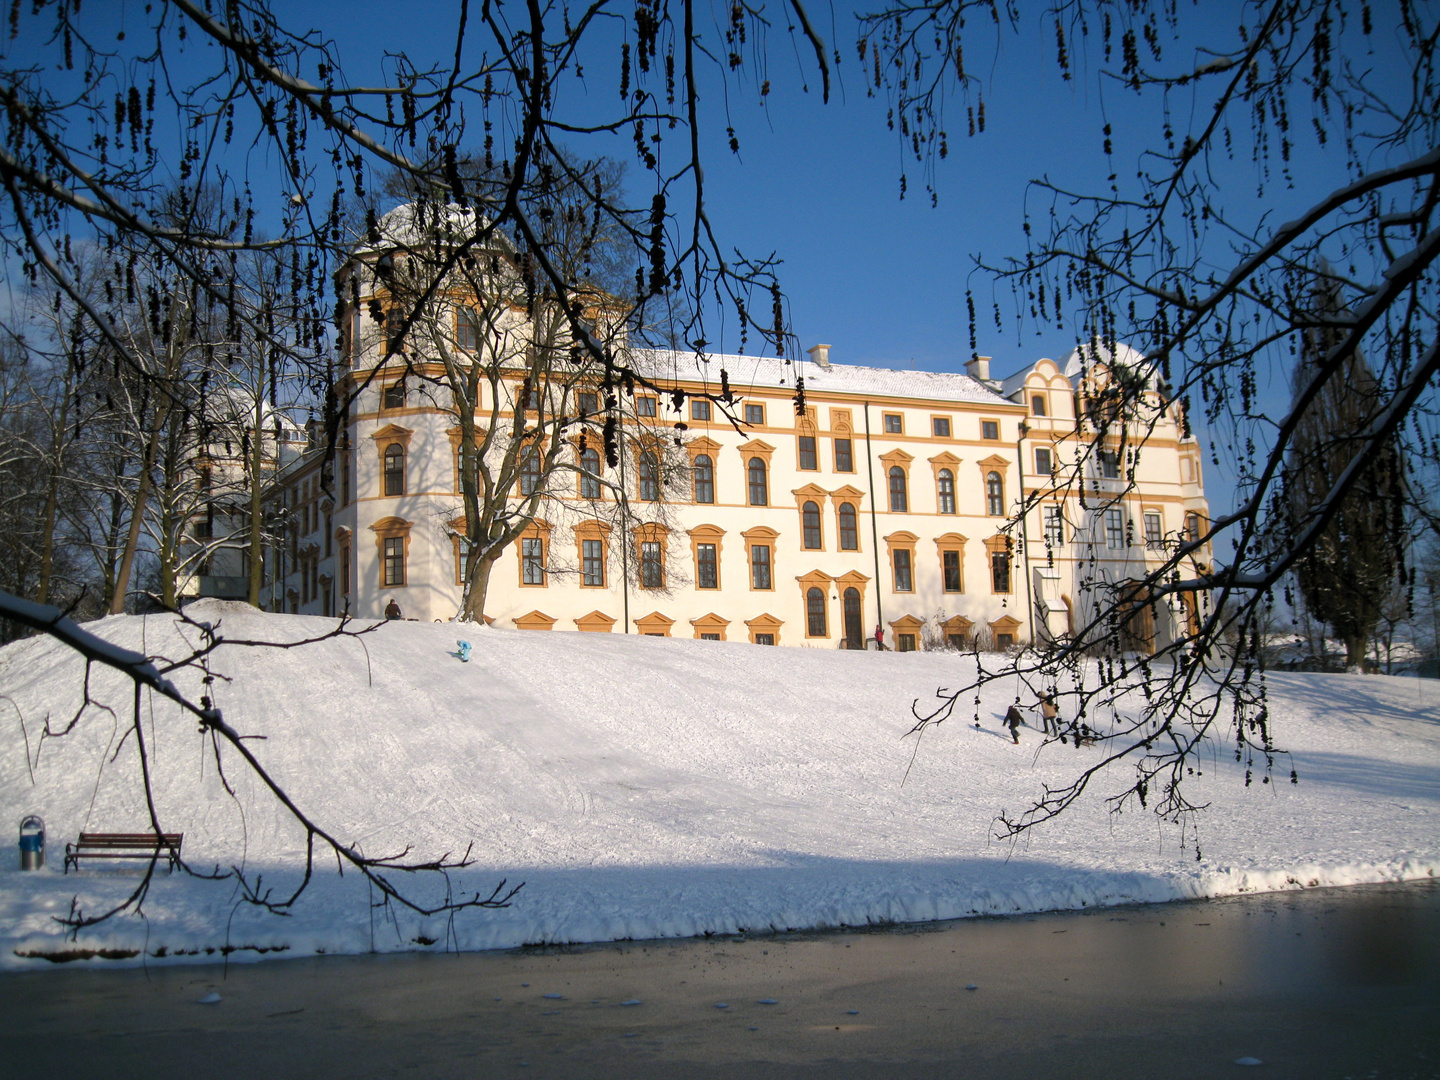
899	501
849	534
759	489
704	479
590	477
810	518
815	612
947	491
394	469
994	495
649	476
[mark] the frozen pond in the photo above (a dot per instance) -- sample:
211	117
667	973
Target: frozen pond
1315	984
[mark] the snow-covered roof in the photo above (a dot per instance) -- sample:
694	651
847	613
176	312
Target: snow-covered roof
1009	387
770	372
1087	356
414	225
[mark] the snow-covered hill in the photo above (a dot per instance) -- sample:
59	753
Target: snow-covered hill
646	787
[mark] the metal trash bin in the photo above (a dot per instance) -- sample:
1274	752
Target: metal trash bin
32	842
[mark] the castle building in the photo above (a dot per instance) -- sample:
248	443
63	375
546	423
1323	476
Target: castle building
889	499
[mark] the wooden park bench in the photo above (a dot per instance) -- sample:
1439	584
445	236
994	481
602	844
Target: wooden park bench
109	845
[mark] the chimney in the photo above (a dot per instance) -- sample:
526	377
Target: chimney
978	368
820	354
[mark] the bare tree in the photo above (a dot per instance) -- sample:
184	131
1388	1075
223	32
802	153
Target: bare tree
115	146
1177	256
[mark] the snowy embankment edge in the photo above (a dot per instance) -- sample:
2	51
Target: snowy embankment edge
244	935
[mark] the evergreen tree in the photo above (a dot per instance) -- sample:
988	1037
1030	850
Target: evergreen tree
1348	571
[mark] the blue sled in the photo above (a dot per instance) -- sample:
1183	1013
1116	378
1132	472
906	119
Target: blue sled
464	651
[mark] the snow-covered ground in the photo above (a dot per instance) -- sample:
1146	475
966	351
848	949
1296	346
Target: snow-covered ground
644	788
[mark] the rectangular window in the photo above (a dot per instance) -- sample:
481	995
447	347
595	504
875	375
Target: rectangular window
393	396
589	403
760	566
357	327
467	329
707	569
1000	571
950	567
754	414
532	560
905	642
894	424
592	563
394	570
764	639
990	429
1054	525
1114	529
1037	404
808	459
345	571
1044	463
844	461
1004	641
652	569
1109	464
1152	529
644	406
699	409
903	578
940	427
709	637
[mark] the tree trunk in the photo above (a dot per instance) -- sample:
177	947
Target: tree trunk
257	462
52	498
1355	655
473	605
132	537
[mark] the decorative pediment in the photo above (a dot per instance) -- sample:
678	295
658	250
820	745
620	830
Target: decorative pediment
908	624
994	461
848	493
703	445
597	622
391	433
765	623
810	491
757	448
852	579
946	460
1006	624
710	623
534	620
654	623
951	539
901	539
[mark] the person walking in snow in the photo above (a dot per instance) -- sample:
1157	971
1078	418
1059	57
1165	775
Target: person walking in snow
392	610
1014	719
1049	713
